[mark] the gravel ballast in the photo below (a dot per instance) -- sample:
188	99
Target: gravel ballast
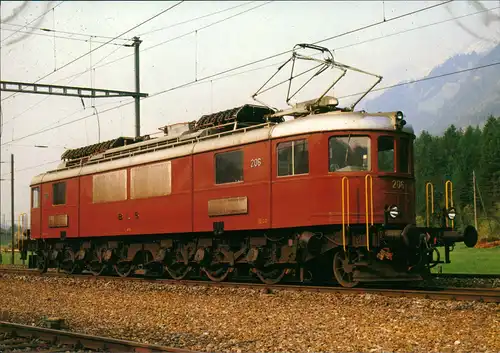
247	320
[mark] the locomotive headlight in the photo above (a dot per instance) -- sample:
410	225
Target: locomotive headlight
393	211
452	213
399	121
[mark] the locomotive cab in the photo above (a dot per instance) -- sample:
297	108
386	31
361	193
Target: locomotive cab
394	248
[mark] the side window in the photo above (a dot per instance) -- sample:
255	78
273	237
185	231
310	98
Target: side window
293	158
229	167
59	193
35	197
404	155
386	154
349	153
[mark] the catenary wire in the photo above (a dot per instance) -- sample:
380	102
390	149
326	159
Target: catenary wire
65	32
267	66
43	14
416	28
127	39
60	37
205	79
98	66
181	35
319	41
195	19
425	79
178	87
91	51
47	97
351	95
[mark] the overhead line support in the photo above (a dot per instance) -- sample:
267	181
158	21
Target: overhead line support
70	91
137	42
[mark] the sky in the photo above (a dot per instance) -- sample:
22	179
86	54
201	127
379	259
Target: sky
248	31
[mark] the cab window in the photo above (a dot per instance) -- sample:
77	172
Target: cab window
35	197
349	153
385	154
404	156
293	158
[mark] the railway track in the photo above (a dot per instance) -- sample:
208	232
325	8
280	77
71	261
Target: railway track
466	275
23	338
442	293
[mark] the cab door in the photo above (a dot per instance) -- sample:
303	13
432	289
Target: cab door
395	178
35	216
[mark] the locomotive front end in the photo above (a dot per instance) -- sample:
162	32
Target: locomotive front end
401	250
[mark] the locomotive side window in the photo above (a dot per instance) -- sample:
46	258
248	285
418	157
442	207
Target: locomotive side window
404	155
293	158
348	153
35	197
386	154
229	167
59	193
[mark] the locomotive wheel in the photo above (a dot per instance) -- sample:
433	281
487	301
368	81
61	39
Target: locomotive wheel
96	268
271	276
178	271
342	276
68	264
123	269
42	262
217	273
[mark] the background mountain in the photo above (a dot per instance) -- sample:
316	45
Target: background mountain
463	99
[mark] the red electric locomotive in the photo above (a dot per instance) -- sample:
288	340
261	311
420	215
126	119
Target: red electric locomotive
246	191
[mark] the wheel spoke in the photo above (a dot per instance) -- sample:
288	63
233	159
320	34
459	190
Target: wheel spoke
343	277
123	269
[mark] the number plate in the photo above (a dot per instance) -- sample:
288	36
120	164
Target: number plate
398	184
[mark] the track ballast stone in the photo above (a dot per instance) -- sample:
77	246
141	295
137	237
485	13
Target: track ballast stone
215	319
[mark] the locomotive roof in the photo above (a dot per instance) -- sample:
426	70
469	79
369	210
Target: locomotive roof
167	147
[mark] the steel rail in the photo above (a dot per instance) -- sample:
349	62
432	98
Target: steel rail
466	275
442	293
60	337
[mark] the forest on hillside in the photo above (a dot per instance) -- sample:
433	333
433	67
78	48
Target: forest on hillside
455	156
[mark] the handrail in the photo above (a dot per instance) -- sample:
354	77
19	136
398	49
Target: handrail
345	185
448	199
367	215
160	145
429	187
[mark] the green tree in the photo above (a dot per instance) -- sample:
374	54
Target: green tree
489	169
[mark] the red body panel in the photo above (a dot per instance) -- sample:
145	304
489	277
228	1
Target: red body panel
166	214
161	214
70	208
255	187
273	201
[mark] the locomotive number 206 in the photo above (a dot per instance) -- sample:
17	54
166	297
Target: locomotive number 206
398	184
254	163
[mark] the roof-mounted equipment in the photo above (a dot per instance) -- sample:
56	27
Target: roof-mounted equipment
324	63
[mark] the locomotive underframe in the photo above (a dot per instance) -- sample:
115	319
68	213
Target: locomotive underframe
317	253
